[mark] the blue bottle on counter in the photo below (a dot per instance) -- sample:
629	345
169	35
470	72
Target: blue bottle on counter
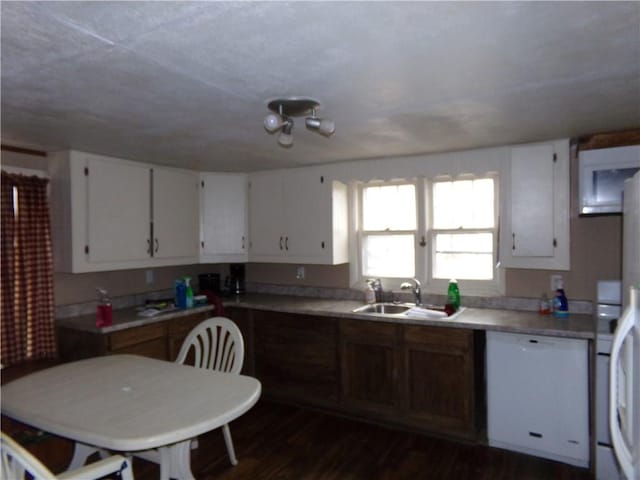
181	294
560	304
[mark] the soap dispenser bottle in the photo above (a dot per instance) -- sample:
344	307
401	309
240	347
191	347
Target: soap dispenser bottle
104	312
453	294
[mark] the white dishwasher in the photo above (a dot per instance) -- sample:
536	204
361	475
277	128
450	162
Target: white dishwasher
538	396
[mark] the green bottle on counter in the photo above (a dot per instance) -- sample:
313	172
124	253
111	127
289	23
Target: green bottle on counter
453	294
187	281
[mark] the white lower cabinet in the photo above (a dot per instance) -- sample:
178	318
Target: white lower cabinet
538	396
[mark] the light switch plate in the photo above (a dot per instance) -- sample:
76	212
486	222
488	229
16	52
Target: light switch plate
556	282
148	276
300	272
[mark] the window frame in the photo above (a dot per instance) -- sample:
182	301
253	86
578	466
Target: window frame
362	233
425	239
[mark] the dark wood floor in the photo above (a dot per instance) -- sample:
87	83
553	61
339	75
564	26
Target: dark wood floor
274	441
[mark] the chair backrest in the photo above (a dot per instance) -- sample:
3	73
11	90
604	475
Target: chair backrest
16	461
217	344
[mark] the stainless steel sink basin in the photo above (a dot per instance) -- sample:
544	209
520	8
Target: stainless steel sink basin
384	308
425	312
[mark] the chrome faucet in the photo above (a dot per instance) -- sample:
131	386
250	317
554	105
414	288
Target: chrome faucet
416	289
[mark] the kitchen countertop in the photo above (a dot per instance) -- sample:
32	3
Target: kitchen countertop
531	323
124	318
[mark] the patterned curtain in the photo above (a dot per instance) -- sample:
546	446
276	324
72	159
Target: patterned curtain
26	309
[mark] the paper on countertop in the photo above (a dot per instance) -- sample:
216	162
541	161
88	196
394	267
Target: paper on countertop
425	312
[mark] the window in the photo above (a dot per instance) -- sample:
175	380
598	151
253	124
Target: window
463	236
448	232
389	228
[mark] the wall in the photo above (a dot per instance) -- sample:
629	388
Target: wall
595	254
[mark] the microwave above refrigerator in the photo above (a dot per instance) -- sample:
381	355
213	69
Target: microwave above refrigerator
602	173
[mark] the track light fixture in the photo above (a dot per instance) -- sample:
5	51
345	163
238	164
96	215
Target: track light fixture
283	109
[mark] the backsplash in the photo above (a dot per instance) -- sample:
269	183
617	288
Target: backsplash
500	303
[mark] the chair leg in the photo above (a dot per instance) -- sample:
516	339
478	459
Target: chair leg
81	452
227	440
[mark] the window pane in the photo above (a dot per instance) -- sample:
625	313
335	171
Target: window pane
389	207
463	204
388	256
463	266
464	242
463	256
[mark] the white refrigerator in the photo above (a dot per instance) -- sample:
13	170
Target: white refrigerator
624	386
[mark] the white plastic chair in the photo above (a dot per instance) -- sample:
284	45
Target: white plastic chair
215	344
18	462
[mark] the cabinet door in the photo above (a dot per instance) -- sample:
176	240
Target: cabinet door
223	206
119	201
175	214
535	232
439	378
266	217
307	207
296	356
369	366
532	201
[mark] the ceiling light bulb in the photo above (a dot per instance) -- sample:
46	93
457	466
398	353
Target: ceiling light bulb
285	139
327	127
323	126
273	122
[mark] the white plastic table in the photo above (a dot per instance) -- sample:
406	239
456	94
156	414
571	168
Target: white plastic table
128	403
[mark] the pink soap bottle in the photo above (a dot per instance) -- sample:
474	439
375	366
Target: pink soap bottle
104	313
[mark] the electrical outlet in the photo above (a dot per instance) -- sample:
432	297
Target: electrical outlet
556	282
148	276
300	272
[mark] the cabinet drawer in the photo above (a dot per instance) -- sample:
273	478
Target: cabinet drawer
381	332
132	336
182	326
155	348
437	336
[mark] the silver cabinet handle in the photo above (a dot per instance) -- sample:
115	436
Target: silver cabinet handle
280	243
286	243
513	245
148	246
157	245
243	242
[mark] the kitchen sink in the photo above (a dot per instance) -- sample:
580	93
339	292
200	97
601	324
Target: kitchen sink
427	312
384	308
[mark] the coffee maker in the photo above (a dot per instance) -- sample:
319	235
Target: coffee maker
235	281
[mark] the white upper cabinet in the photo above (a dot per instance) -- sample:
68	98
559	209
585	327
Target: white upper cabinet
102	210
298	216
175	214
535	229
118	197
223	217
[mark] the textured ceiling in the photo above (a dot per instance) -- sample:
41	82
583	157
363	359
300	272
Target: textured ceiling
187	83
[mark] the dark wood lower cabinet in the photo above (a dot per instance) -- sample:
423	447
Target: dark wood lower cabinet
439	379
161	340
243	319
296	356
369	366
420	377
